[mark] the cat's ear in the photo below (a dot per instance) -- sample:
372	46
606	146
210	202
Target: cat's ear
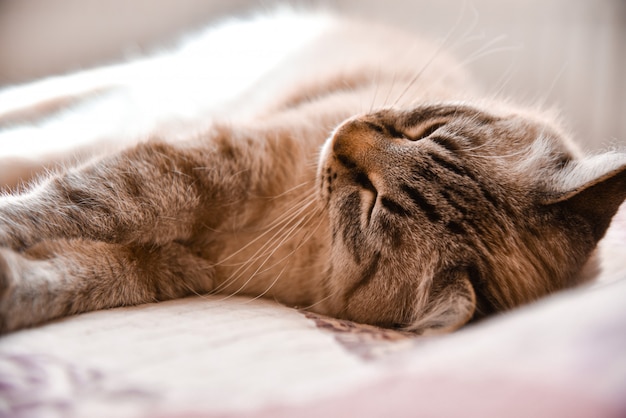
592	188
450	304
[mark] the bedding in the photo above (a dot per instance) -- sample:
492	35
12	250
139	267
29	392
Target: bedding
215	356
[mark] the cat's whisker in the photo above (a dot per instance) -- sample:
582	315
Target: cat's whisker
442	45
282	222
297	247
417	76
466	36
487	50
484	50
271	285
291	213
259	254
194	292
503	81
288	256
391	87
376	83
294	188
319	301
268	257
279	236
263	255
545	95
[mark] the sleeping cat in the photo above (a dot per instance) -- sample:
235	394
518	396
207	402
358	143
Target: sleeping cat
332	165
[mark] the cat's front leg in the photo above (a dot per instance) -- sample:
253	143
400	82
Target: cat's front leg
152	193
54	279
121	230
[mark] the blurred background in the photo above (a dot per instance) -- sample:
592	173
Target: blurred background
565	53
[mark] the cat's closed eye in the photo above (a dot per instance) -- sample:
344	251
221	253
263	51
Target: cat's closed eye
423	132
392	131
431	129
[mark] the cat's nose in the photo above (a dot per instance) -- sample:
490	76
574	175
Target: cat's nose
354	144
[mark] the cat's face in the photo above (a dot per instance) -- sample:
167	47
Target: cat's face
444	212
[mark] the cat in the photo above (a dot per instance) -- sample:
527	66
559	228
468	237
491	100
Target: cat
332	165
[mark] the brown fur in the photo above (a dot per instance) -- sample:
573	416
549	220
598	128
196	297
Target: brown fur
427	206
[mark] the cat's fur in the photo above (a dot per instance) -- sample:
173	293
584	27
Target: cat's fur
357	175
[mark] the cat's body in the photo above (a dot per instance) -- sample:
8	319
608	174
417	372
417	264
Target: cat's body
352	171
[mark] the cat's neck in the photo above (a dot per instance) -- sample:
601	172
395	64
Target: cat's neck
276	244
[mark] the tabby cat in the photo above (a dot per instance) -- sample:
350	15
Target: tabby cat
331	165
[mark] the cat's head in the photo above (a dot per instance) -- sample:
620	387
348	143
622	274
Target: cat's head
445	213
